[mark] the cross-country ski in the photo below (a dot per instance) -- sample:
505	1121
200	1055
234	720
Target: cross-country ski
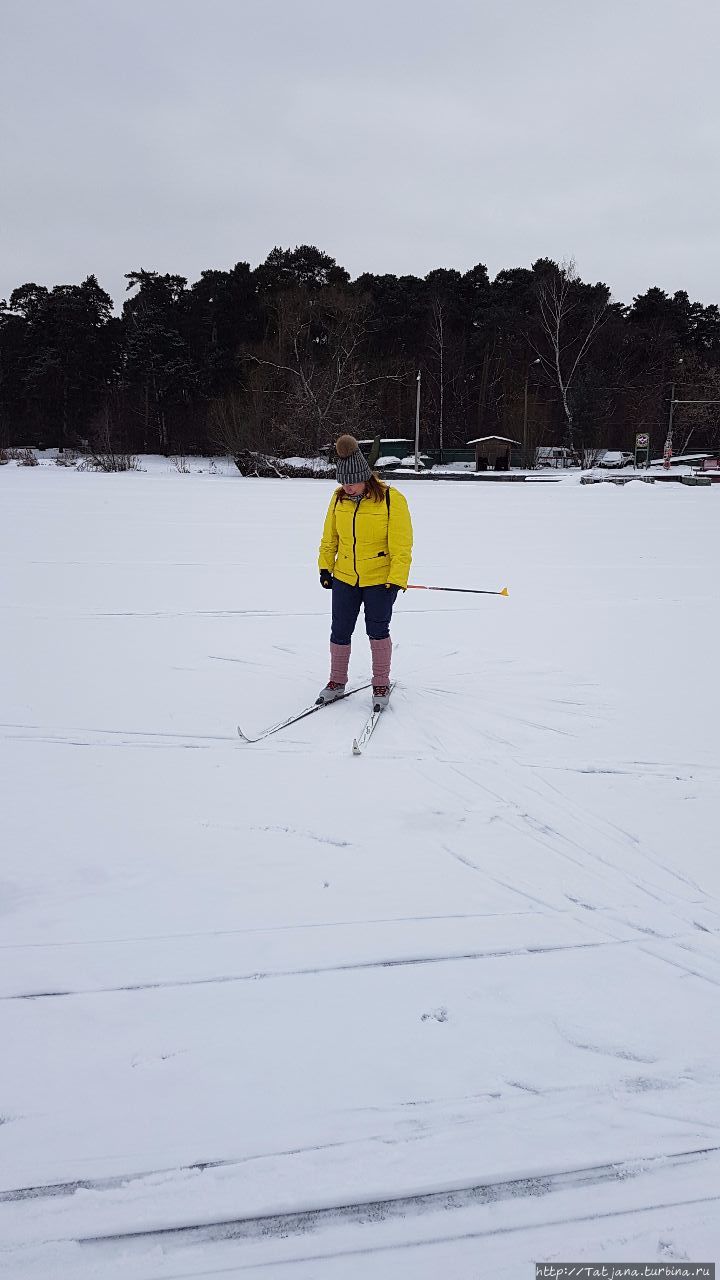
300	715
368	729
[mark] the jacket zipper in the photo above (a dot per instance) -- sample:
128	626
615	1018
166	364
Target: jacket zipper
357	575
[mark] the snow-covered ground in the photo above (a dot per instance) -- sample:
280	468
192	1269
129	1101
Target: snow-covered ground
444	1010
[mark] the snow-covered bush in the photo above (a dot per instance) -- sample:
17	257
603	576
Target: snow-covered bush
23	457
251	462
109	462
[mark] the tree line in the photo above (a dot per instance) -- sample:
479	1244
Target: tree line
282	357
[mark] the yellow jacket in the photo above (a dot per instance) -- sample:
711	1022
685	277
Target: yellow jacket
368	543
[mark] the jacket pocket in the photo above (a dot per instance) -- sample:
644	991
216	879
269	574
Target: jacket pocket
372	555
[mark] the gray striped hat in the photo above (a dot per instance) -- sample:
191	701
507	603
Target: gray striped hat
352	466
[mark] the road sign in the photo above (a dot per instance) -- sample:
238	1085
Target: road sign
642	449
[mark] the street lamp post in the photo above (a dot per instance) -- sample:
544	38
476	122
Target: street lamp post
525	413
667	451
417	424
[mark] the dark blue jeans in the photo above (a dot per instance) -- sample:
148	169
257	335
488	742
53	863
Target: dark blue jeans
346	602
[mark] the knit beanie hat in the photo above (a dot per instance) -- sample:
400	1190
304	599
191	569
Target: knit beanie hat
352	467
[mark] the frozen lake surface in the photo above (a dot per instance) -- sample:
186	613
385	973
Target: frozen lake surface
448	1009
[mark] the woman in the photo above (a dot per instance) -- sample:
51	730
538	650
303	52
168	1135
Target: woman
364	559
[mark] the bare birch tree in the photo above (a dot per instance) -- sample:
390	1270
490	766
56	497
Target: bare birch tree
571	314
322	351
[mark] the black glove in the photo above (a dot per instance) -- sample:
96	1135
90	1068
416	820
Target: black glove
326	579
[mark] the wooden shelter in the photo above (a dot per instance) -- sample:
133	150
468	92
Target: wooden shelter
492	453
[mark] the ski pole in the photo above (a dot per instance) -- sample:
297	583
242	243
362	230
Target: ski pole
473	591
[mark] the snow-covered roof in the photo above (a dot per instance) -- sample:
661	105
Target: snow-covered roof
484	440
388	440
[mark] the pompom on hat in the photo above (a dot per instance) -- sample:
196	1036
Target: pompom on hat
352	466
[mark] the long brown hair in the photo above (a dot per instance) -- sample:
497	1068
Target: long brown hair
375	488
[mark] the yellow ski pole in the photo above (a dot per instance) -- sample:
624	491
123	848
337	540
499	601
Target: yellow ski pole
473	591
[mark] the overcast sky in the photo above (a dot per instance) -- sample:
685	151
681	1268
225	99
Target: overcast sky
397	135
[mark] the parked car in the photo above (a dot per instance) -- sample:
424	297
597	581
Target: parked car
556	456
424	459
611	458
407	463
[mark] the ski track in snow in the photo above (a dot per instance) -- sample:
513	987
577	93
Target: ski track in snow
375	1252
380	963
402	1206
372	1213
283	928
563	845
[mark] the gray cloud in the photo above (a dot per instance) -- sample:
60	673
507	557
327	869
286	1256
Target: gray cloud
178	135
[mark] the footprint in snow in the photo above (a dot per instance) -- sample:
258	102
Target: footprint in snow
439	1015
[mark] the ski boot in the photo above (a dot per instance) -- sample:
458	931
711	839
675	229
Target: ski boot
381	696
332	691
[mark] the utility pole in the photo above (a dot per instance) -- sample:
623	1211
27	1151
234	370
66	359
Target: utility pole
667	451
668	442
417	424
525	415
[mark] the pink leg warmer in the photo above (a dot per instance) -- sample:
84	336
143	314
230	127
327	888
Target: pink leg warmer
339	660
381	655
